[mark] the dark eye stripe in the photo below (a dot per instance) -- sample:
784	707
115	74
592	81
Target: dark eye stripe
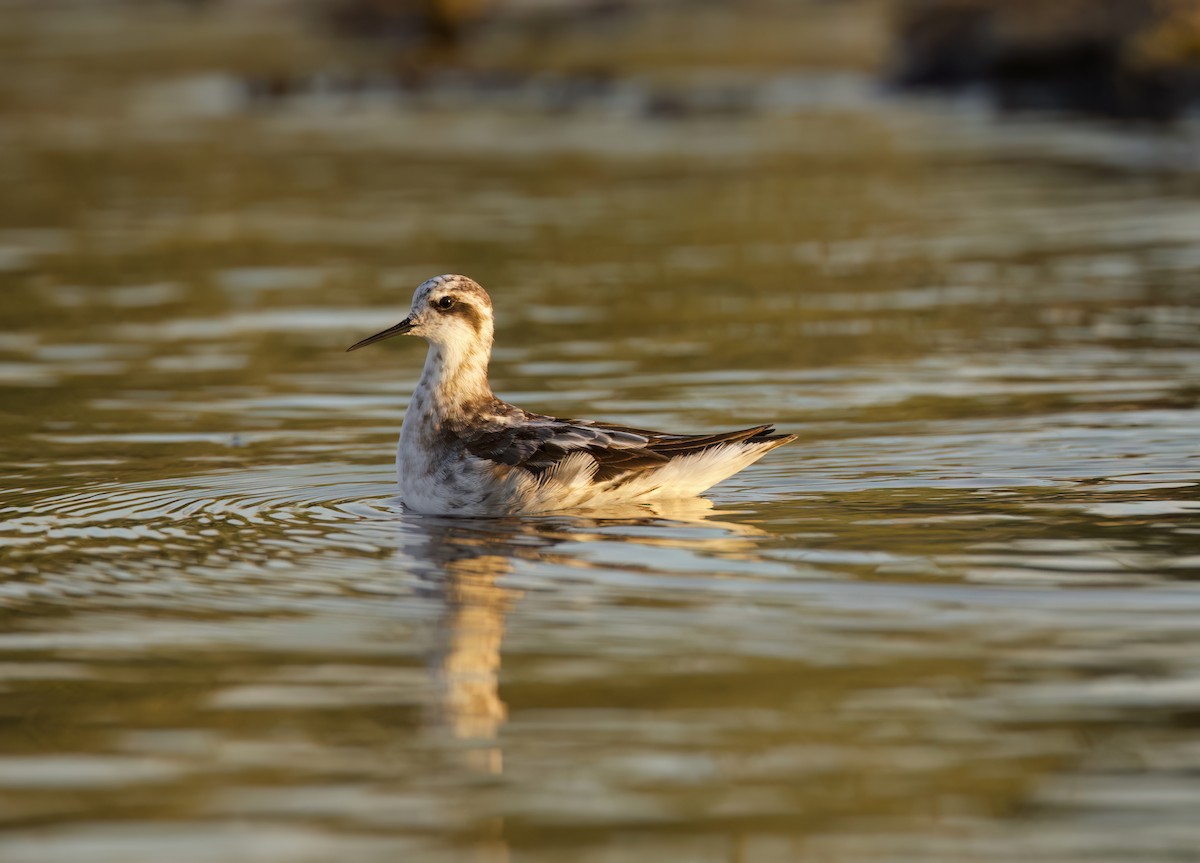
468	313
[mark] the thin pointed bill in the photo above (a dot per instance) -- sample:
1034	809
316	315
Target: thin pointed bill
400	329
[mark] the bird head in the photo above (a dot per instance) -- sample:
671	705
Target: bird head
448	311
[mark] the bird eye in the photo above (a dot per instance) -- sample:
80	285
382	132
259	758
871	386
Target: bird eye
444	303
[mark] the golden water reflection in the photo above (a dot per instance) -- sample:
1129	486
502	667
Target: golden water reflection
464	566
467	657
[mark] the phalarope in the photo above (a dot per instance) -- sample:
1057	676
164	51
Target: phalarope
465	452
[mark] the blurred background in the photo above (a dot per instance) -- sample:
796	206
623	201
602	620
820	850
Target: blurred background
951	244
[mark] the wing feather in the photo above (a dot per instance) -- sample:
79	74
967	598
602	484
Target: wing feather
539	444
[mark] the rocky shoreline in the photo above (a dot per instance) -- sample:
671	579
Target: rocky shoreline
1125	59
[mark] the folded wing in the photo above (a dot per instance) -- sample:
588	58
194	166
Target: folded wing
537	443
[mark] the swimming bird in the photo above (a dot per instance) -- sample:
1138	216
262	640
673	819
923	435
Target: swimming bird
465	452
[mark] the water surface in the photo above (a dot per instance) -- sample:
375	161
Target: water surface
955	620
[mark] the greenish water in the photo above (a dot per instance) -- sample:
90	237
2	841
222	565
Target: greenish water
956	620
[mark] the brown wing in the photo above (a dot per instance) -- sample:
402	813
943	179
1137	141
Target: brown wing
537	443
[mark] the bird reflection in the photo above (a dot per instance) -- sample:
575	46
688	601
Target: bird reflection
462	562
466	665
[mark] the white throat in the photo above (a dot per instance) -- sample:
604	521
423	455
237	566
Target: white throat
454	378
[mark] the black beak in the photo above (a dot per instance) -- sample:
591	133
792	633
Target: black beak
400	329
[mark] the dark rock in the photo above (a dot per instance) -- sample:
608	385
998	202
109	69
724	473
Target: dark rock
436	24
1129	59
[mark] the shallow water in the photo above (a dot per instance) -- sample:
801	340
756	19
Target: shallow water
957	619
